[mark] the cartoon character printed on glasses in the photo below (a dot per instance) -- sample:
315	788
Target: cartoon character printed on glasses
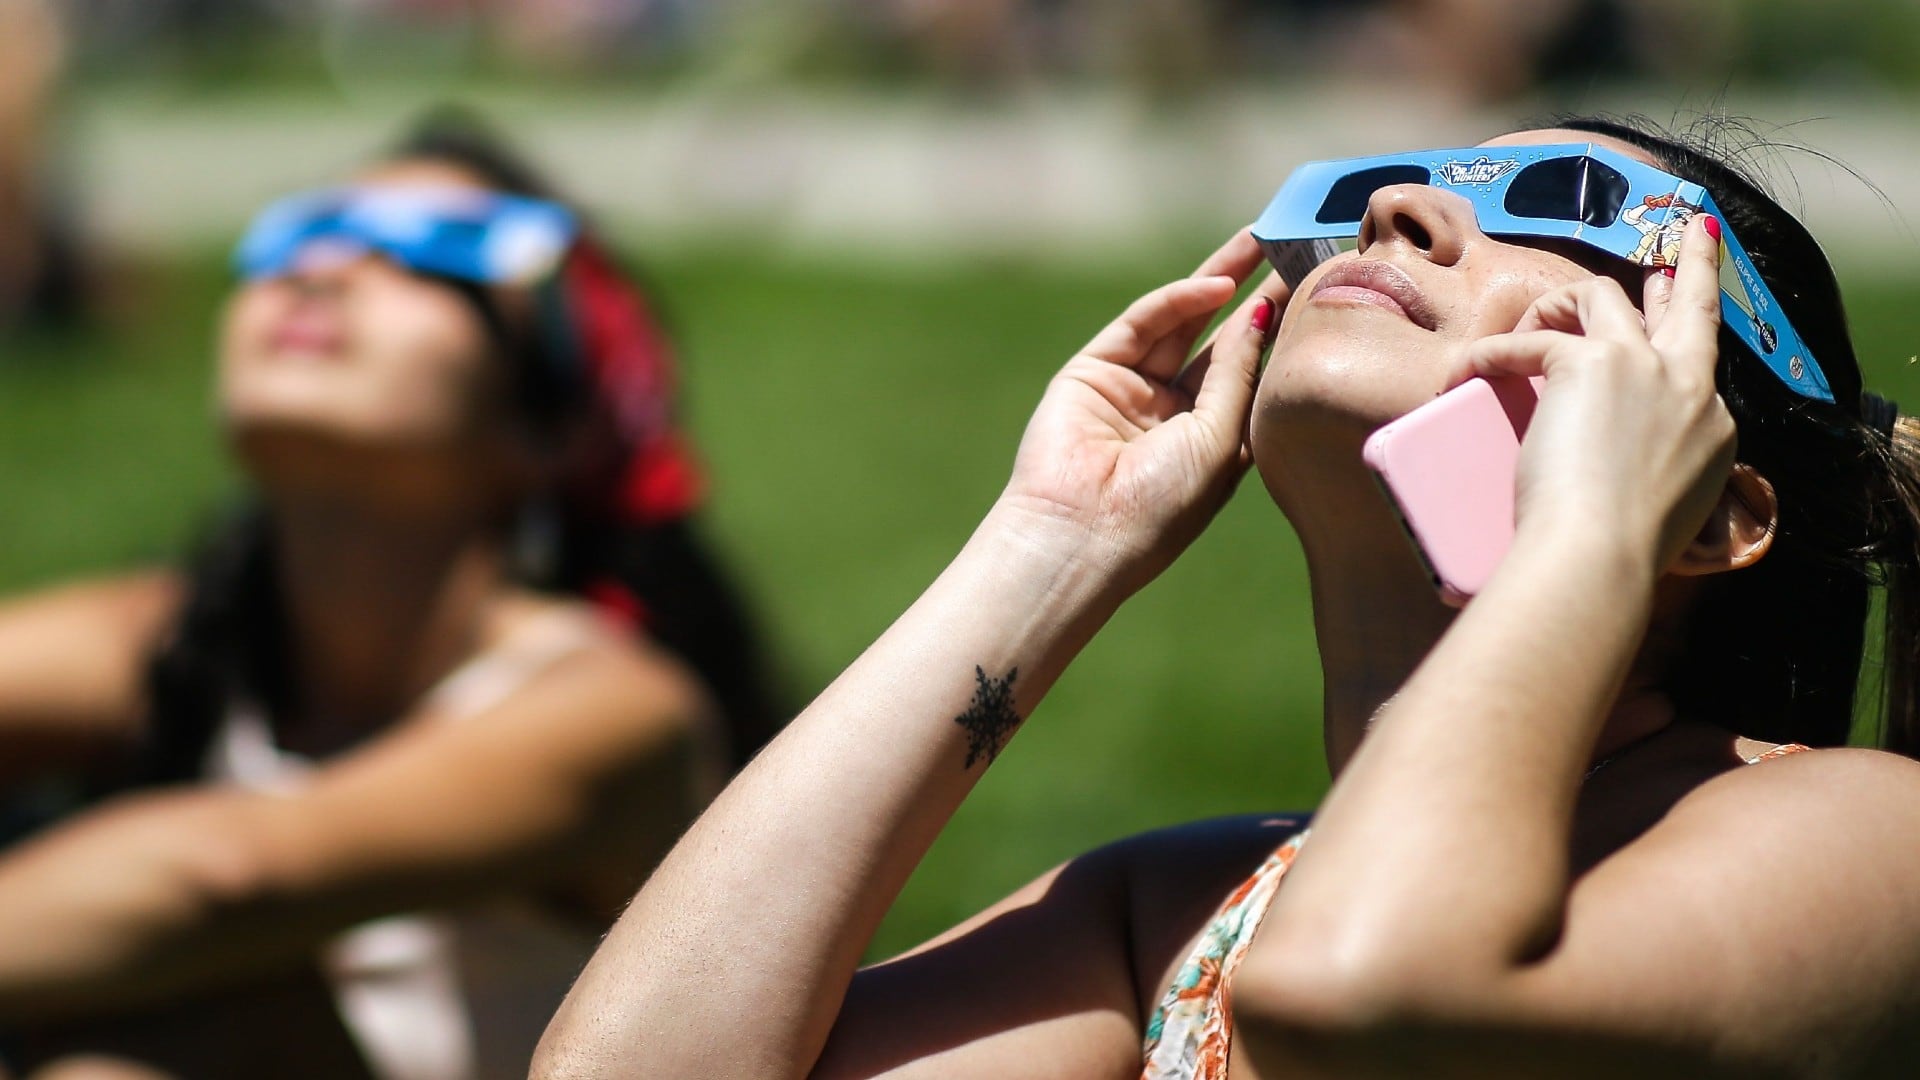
1660	246
1660	240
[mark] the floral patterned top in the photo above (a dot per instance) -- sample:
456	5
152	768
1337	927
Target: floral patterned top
1190	1035
1192	1030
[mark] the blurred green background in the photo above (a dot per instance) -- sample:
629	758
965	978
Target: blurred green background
868	314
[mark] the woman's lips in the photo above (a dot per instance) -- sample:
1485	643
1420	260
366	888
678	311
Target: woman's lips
1381	284
308	331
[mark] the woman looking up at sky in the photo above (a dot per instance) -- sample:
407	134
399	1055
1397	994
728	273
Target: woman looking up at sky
1600	822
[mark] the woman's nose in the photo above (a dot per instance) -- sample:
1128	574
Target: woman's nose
1425	219
325	264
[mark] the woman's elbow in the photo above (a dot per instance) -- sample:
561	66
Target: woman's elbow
1311	1004
1296	1004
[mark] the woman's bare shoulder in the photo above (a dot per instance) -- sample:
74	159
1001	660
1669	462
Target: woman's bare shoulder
1222	845
1177	877
584	665
137	601
1828	784
1768	886
1838	812
541	621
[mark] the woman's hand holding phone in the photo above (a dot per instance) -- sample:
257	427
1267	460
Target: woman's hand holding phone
1630	442
1134	447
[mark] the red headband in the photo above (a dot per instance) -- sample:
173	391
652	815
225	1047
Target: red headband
630	368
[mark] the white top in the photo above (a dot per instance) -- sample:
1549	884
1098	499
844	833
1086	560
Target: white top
439	995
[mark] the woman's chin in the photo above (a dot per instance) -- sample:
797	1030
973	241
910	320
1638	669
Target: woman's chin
1308	427
1323	379
1338	410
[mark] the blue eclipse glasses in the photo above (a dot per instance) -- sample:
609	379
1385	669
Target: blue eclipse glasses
1571	191
476	236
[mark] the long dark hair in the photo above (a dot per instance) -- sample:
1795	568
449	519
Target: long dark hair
230	639
1775	650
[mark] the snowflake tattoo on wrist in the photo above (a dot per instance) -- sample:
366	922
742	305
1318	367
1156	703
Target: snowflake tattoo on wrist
989	719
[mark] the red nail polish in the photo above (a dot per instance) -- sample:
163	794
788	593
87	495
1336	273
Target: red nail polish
1668	271
1263	316
1711	224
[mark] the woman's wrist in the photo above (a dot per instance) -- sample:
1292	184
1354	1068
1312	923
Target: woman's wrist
1609	555
1064	569
1120	552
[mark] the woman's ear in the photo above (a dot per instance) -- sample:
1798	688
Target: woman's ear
1739	532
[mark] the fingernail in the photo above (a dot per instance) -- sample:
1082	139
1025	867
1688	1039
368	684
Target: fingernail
1668	271
1263	316
1711	224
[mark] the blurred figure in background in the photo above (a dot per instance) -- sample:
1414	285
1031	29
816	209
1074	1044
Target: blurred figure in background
353	706
1472	51
586	35
37	278
1485	51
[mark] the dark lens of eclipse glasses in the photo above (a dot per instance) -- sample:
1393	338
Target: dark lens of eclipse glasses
1346	201
1568	189
1560	189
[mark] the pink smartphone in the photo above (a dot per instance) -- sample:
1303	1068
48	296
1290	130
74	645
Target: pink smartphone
1448	467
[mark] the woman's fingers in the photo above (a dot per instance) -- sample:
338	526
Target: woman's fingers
1238	259
1656	293
1147	321
1191	377
1596	306
1690	327
1521	353
1230	369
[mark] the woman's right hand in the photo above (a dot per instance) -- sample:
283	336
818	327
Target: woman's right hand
1130	449
1630	429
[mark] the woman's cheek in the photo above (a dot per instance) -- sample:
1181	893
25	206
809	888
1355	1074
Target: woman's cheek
247	321
436	367
1506	299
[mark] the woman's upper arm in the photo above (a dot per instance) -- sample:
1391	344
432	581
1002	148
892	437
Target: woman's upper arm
1056	979
73	660
1773	918
1769	925
1038	985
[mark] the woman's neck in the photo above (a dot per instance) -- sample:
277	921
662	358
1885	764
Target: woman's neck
380	606
1377	616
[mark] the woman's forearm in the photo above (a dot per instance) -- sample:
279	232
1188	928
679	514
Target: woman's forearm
1441	855
122	905
734	959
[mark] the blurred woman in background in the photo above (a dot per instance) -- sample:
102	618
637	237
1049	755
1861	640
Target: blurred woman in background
461	652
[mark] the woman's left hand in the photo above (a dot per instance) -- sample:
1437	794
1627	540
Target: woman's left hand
1629	431
1134	447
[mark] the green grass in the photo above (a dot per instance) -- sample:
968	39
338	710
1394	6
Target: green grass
857	421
